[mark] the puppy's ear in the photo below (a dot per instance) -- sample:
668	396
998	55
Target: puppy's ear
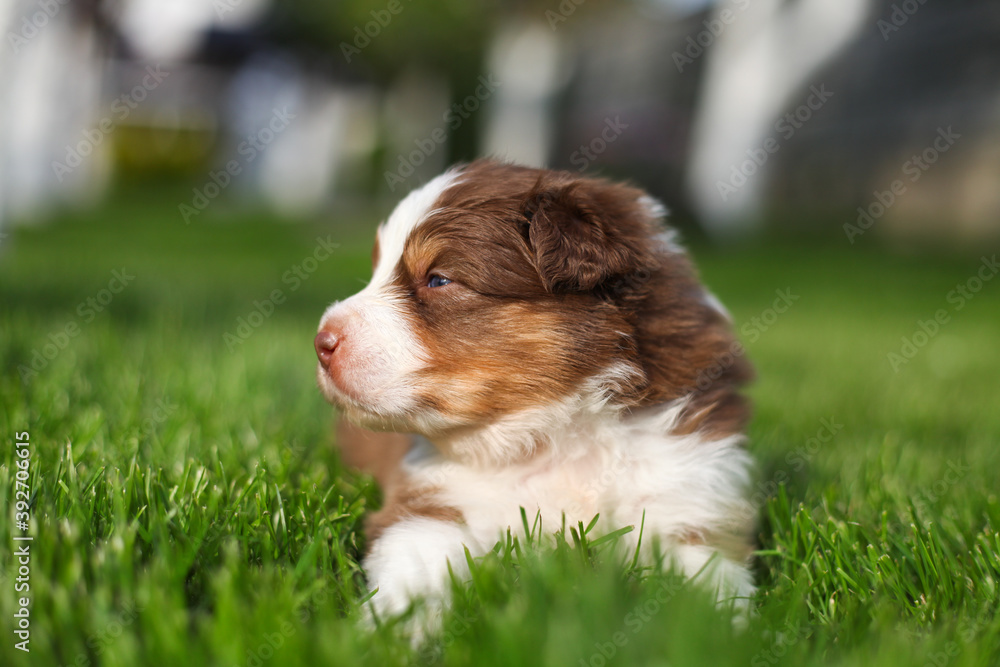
586	233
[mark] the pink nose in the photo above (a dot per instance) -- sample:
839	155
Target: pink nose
326	343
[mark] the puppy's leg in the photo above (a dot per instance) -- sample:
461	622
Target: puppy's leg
413	538
716	561
731	581
410	560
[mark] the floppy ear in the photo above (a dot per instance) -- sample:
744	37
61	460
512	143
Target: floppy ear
585	233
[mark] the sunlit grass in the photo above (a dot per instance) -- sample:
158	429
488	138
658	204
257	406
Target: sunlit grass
188	507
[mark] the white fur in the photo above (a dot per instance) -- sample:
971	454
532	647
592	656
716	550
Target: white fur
669	238
411	559
713	302
406	217
382	352
596	462
654	207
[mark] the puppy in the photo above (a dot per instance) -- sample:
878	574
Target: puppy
553	349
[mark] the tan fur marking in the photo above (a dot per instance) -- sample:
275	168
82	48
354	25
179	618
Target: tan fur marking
375	253
406	501
378	454
557	277
735	547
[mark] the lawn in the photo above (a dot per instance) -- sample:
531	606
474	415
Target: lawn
187	506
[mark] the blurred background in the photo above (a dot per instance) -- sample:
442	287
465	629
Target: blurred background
828	116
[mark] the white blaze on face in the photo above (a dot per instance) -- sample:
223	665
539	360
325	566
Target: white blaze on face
379	351
406	217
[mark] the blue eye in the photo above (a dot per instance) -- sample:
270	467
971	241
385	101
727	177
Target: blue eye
437	281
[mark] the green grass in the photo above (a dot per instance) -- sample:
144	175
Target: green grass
188	507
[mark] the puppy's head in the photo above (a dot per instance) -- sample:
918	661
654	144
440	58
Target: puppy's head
498	290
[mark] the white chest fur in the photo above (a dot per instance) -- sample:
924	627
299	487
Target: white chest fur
619	468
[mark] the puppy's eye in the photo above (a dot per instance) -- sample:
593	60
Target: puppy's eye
437	281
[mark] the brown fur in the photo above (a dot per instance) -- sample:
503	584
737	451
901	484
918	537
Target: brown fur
735	546
381	455
378	454
408	501
375	252
556	276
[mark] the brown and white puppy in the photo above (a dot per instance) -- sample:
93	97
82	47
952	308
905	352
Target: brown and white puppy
556	351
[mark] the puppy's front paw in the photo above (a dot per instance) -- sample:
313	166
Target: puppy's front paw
410	561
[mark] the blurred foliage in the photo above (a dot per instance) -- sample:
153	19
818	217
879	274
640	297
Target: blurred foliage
387	36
